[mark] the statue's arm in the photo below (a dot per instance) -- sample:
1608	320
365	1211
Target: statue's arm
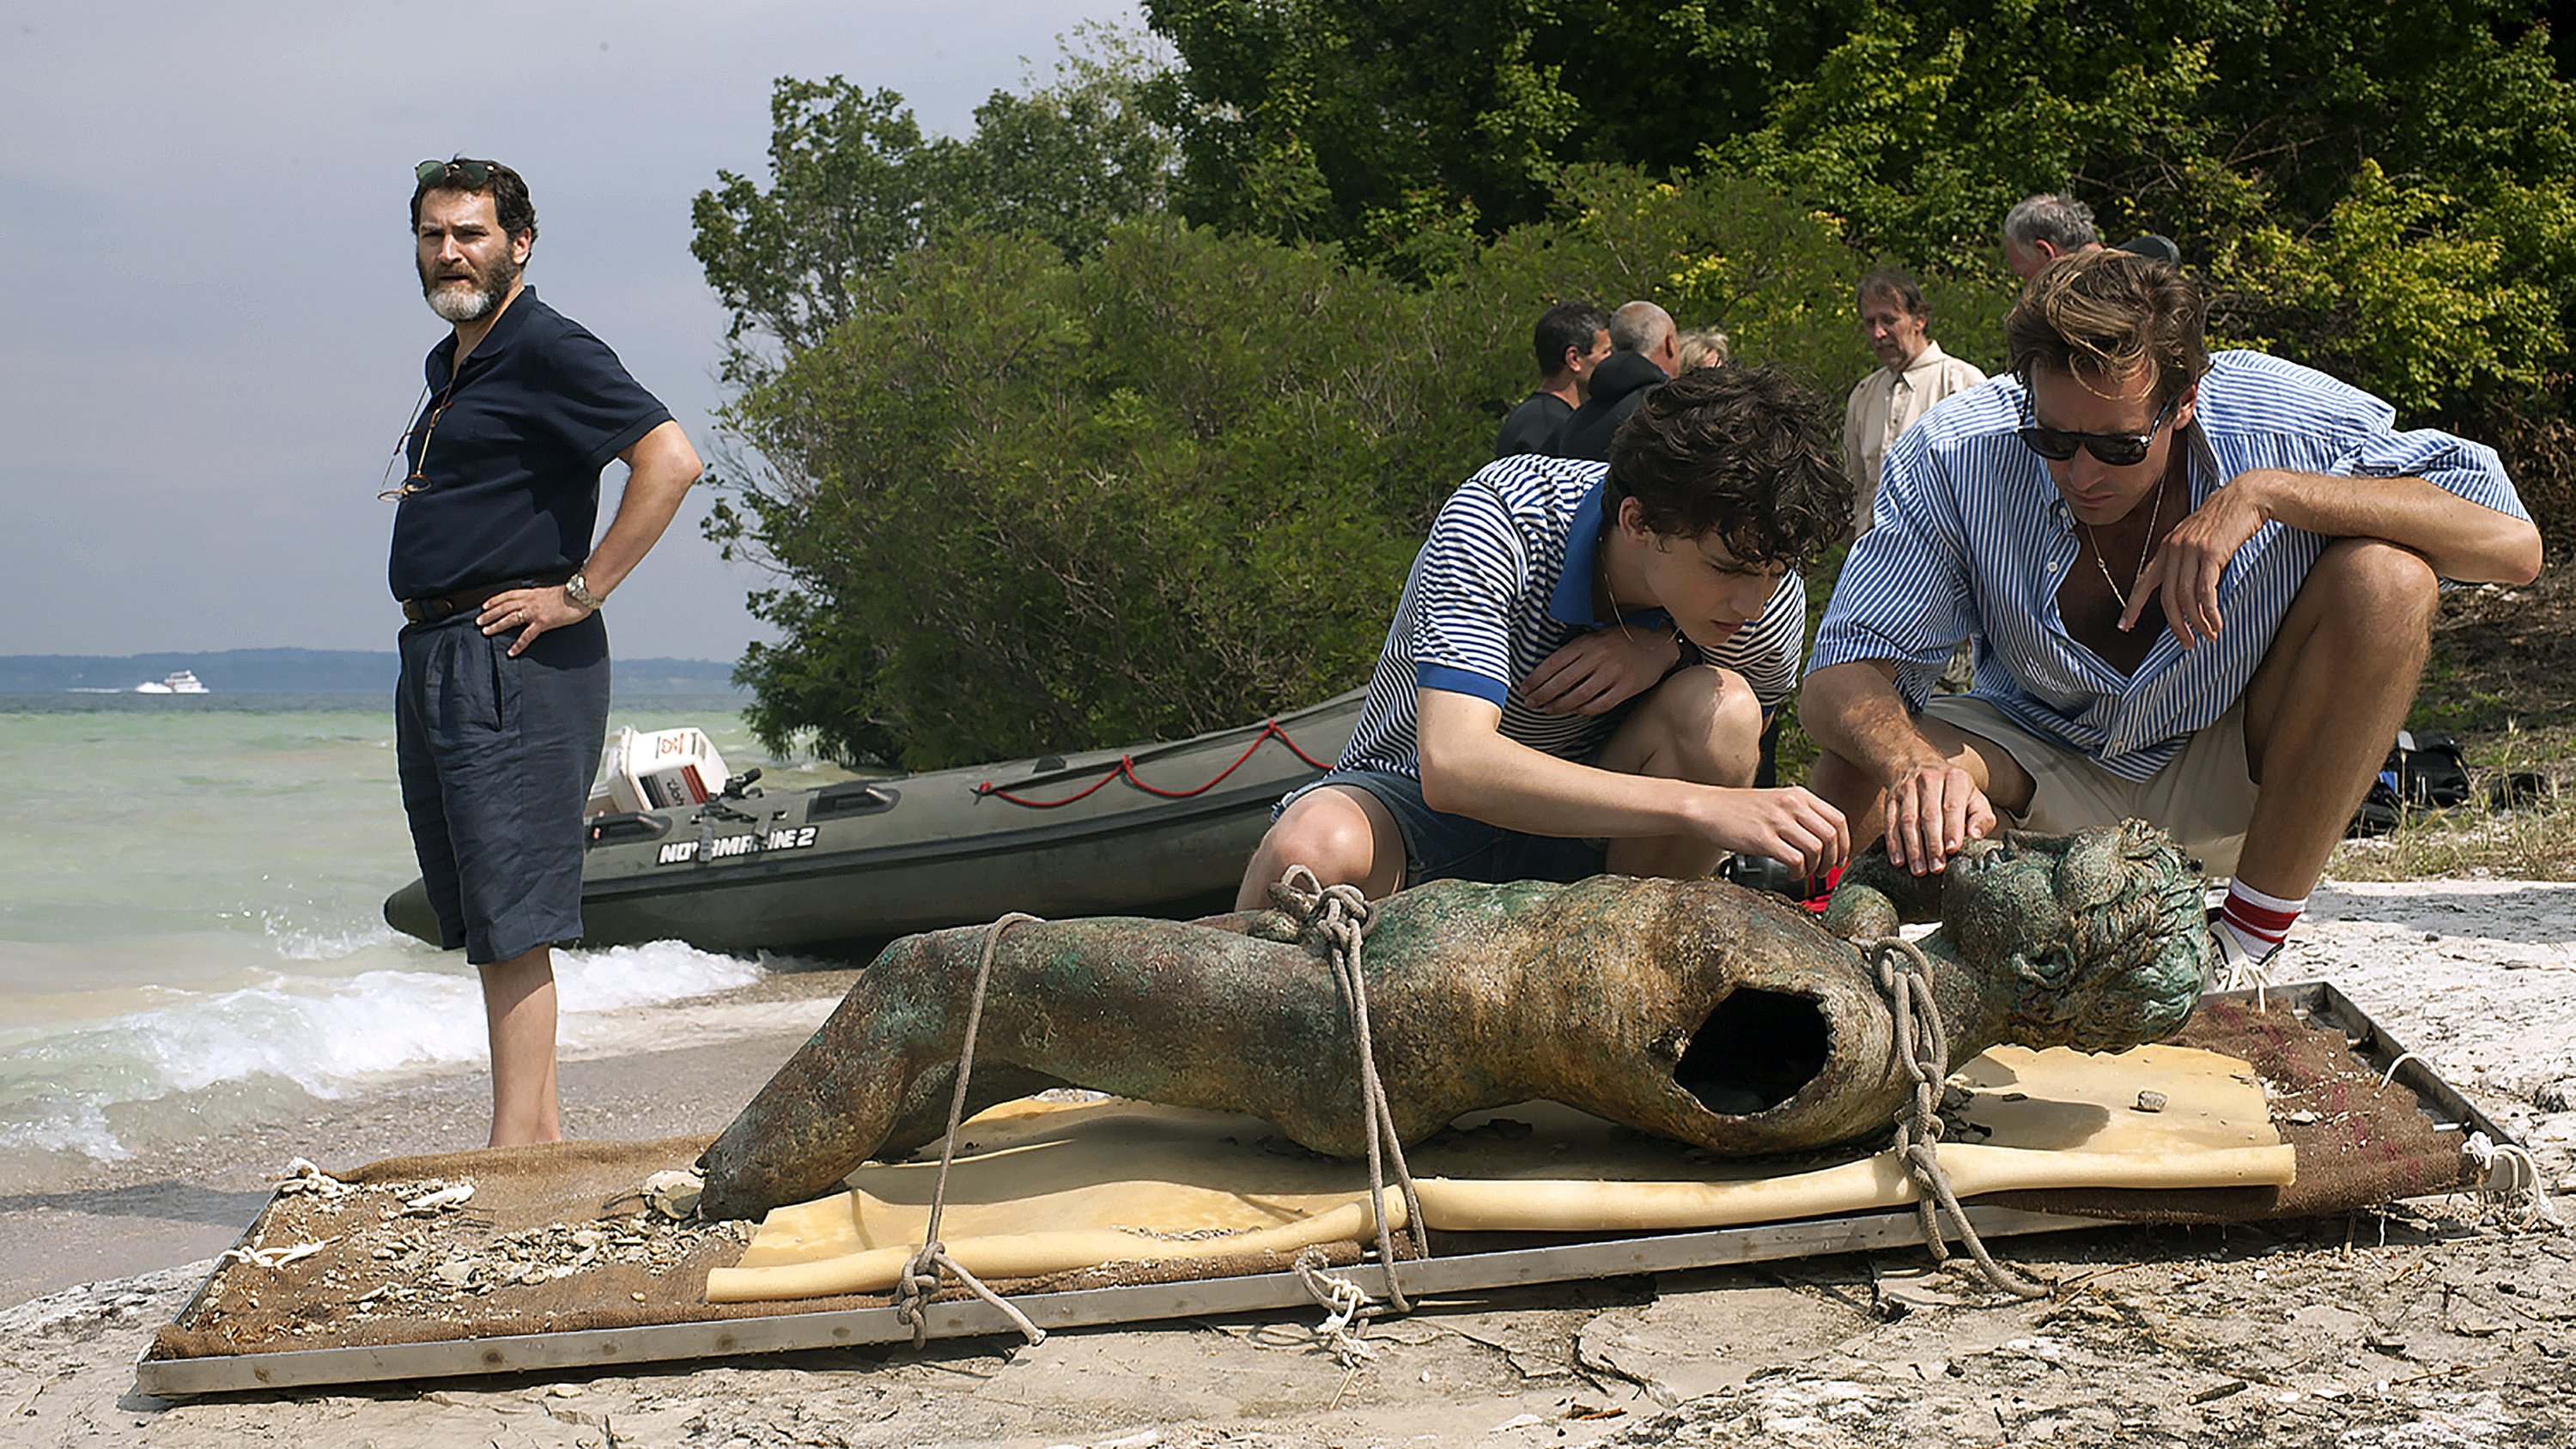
1874	897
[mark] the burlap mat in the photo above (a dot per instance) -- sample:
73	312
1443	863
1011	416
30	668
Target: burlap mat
2358	1142
376	1279
514	1259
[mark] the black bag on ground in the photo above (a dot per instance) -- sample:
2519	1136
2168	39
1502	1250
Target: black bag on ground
2425	774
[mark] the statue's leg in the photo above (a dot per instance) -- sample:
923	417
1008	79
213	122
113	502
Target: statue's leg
1162	1011
831	1106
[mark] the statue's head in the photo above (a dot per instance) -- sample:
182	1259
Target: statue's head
2096	940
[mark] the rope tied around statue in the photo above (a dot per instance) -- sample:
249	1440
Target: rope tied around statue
1923	1050
1337	919
921	1276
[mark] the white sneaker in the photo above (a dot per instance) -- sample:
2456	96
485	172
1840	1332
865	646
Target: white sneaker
2232	967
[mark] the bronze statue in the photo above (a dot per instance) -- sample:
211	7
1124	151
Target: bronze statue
1692	1009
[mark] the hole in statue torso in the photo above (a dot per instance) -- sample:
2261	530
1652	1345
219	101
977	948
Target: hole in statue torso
1754	1052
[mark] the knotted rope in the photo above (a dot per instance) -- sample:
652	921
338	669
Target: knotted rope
1342	1301
921	1276
1342	917
2520	1200
1923	1050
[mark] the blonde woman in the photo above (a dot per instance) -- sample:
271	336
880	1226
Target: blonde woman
1702	347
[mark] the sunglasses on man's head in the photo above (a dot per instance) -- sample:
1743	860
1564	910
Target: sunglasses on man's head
2117	449
472	173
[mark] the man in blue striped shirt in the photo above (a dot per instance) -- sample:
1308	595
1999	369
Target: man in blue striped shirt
1534	716
2288	538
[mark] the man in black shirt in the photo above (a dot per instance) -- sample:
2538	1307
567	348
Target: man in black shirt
1645	349
503	702
1570	340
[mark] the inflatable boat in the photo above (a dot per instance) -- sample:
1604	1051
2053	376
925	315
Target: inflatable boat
1160	829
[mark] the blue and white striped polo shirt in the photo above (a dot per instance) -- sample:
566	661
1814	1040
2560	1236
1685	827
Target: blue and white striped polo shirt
1505	580
1973	540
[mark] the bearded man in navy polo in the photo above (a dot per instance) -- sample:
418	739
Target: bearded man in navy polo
503	702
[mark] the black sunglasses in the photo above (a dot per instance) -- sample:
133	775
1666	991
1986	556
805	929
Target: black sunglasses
472	173
392	492
2117	449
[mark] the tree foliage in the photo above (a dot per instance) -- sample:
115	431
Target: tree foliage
1121	416
2374	190
1390	124
854	184
2259	134
1021	502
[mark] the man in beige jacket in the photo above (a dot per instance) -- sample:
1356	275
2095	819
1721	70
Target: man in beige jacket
1913	374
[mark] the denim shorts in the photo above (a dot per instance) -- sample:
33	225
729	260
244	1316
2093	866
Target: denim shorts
1440	846
496	756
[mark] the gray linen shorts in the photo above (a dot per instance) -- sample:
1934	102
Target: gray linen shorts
1440	846
2204	798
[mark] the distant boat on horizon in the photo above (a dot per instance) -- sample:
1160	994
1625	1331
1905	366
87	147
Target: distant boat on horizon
177	681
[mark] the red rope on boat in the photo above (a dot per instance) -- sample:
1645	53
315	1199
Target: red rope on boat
1126	769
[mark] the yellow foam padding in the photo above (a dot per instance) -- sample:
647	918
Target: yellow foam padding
1044	1187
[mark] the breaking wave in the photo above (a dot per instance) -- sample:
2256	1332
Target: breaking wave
75	1087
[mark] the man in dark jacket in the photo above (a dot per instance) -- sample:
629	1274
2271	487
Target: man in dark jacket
1570	340
1644	349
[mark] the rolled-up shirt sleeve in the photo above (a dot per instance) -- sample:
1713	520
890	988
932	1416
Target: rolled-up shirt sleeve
1467	582
1903	597
2454	465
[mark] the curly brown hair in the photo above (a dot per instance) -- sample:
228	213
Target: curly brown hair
2108	313
511	205
1739	451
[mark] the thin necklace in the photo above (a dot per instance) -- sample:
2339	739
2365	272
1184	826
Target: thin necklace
1620	614
2153	511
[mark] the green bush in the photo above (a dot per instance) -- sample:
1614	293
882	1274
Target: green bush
1022	503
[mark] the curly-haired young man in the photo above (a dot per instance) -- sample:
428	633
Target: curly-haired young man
1583	659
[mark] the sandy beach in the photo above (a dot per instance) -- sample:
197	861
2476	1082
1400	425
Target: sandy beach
2431	1323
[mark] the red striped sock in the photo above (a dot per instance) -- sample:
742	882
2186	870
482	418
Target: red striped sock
2257	921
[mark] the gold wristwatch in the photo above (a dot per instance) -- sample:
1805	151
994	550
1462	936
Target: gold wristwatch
580	594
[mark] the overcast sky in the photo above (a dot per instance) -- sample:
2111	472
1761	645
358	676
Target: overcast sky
213	331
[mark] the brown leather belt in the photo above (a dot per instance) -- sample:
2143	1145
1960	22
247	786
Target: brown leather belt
446	606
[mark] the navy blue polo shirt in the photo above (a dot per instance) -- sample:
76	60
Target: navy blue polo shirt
512	463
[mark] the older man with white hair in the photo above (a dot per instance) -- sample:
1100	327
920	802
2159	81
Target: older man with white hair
1645	351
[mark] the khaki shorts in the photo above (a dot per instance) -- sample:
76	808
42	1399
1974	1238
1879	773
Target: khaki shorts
2203	797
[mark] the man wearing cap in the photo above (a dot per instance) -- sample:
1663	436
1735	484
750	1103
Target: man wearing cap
503	700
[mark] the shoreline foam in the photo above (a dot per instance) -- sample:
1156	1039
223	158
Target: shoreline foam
107	1088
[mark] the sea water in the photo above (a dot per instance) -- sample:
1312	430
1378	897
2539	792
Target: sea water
191	921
